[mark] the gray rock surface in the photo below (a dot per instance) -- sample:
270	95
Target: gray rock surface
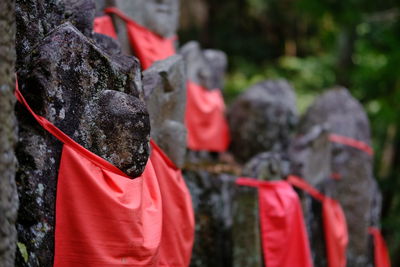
37	18
204	67
261	119
164	86
8	136
345	116
92	97
212	196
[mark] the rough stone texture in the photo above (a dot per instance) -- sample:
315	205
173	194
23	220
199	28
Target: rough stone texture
159	16
8	136
91	96
261	119
345	116
267	166
204	67
212	196
247	250
37	18
81	14
165	95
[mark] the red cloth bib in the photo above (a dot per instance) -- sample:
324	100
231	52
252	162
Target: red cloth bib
381	253
205	119
104	25
334	220
178	216
103	218
283	233
148	46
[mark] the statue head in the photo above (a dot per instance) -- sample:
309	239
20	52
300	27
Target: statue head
261	119
204	67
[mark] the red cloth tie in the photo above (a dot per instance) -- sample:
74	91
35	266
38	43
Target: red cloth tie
340	139
283	233
334	220
147	45
381	253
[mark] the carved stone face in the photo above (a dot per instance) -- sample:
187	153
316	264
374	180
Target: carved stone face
160	16
165	96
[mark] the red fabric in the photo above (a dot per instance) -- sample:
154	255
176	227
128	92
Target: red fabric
148	46
103	218
351	142
334	220
178	216
205	119
336	236
104	25
381	253
283	233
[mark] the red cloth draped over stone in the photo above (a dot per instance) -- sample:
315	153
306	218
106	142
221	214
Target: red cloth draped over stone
178	215
205	119
283	233
104	25
147	45
103	218
381	253
334	220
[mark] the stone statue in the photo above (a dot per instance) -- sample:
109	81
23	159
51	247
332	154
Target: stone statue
92	95
345	116
261	119
165	95
204	67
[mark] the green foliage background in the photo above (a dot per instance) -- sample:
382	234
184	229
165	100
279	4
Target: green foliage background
317	44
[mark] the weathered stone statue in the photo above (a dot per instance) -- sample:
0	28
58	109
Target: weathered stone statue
90	94
165	95
204	67
160	17
8	136
261	119
353	167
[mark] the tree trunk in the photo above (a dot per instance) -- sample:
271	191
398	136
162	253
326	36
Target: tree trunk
8	192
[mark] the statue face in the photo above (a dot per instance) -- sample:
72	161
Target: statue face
161	16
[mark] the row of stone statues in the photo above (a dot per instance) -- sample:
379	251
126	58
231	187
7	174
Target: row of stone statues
88	86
